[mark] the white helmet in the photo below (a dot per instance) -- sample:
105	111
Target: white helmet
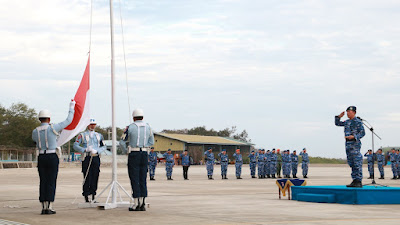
137	113
44	114
93	121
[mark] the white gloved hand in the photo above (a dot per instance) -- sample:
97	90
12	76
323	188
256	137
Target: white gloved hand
72	104
89	148
94	151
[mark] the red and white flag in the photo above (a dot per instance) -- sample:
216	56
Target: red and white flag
82	115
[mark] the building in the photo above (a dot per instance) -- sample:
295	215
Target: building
197	144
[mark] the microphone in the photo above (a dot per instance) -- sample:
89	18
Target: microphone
359	118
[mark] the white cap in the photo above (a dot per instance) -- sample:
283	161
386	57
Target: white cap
137	113
44	114
93	121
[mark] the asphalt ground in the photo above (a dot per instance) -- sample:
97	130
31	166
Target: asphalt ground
193	201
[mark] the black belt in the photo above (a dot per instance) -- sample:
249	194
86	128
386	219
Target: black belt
224	161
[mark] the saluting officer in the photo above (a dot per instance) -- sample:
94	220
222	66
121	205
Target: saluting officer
238	163
370	158
381	163
169	163
45	137
90	143
353	132
253	161
140	137
152	163
185	164
210	160
304	162
224	163
295	161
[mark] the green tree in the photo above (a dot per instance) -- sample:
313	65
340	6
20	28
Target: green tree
16	125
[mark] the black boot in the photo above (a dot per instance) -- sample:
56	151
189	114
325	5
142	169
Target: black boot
382	177
226	177
93	197
305	176
394	178
44	208
86	198
273	176
210	178
238	177
222	177
152	178
253	176
369	177
355	183
143	206
268	176
50	209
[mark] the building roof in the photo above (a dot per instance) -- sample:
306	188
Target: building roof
199	139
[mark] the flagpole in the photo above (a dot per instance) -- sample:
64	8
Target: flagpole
114	135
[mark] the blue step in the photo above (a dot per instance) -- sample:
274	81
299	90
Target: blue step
320	198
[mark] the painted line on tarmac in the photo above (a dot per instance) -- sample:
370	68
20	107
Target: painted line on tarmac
8	222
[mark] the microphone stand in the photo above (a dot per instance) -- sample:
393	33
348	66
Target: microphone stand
369	126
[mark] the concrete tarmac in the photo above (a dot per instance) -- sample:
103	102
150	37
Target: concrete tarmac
193	201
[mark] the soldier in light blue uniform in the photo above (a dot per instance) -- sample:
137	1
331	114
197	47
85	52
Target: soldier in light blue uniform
353	132
169	164
210	161
224	163
274	159
45	137
185	164
393	162
295	162
140	138
370	159
381	163
267	166
260	162
304	162
253	163
90	144
152	163
238	163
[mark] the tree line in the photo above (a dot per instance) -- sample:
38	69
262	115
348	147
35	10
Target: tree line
18	121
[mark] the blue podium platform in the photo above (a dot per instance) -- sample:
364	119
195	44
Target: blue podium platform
345	195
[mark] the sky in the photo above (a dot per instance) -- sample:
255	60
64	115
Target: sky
281	70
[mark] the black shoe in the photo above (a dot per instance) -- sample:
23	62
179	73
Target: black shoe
44	211
273	176
394	178
210	178
152	178
86	199
382	177
268	176
93	197
253	176
369	177
305	176
50	211
226	178
355	183
238	177
170	178
294	176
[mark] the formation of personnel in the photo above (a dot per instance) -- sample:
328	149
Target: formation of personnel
394	157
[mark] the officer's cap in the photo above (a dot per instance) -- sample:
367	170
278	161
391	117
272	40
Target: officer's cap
224	150
263	150
169	149
152	148
92	121
352	108
185	150
304	149
209	148
273	149
294	150
370	150
252	150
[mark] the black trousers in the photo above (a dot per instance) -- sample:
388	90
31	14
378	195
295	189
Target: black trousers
48	171
92	179
137	170
185	171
